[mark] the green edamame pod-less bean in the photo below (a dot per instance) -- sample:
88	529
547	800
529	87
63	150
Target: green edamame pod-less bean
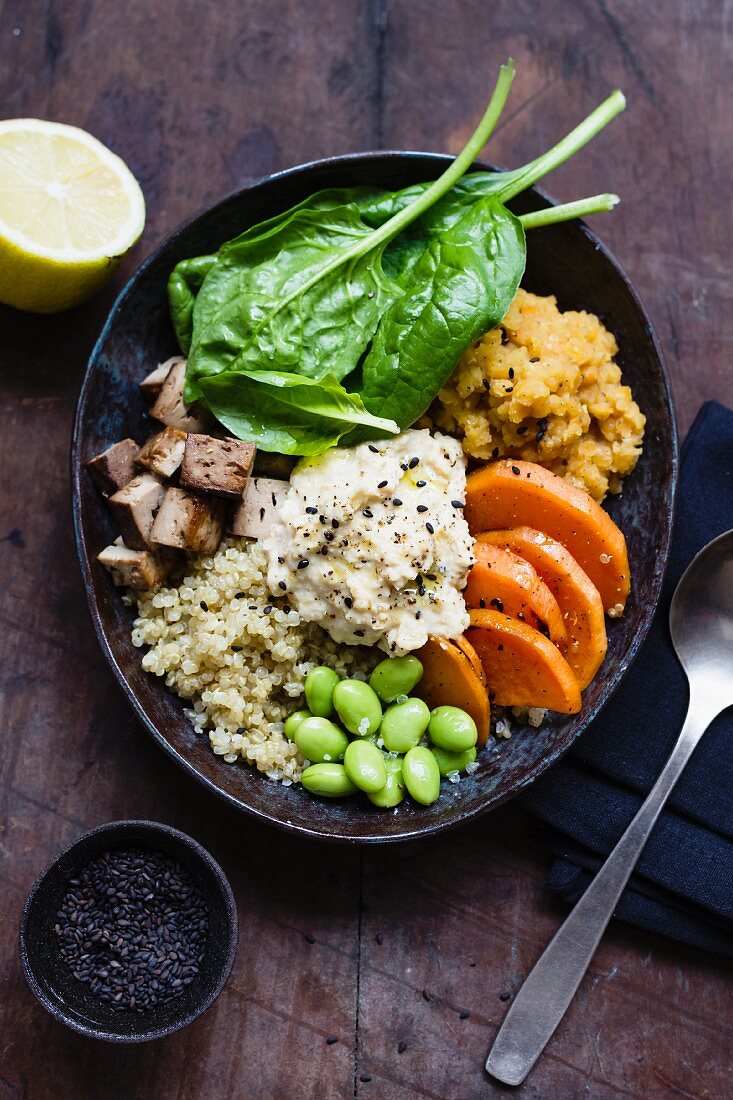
293	721
358	707
421	775
403	724
320	740
365	766
319	687
452	729
395	676
393	791
327	780
453	761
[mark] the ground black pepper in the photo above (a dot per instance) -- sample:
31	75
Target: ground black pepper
133	927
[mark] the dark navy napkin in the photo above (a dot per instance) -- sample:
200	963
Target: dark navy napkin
683	883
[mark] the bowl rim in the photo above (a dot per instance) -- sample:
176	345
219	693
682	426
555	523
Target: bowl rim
119	829
663	550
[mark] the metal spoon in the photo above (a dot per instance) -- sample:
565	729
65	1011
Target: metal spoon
701	624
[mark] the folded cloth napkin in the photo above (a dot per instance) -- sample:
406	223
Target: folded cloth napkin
683	883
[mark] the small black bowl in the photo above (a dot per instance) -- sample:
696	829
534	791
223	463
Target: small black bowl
70	1000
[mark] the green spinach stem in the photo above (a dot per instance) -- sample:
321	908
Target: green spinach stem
551	215
523	178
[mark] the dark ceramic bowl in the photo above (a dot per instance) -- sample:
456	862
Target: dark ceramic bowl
70	1000
565	260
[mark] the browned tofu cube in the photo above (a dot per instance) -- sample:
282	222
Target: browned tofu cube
169	407
219	466
152	383
254	517
114	467
189	521
135	507
137	569
163	452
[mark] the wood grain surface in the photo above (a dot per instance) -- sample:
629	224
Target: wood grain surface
200	97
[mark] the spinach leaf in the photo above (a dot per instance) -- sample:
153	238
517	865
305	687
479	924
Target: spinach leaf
289	413
461	286
183	285
305	293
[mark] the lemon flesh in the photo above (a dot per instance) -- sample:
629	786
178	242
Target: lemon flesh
69	211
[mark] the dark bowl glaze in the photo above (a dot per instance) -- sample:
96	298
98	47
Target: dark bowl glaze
69	1000
565	260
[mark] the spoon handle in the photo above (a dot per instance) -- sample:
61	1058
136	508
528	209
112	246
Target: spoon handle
543	999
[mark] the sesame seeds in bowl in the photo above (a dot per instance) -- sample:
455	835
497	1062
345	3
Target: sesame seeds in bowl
130	933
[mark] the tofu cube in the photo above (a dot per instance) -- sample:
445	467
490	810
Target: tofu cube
256	513
163	452
135	507
137	569
152	383
169	407
115	467
219	466
189	521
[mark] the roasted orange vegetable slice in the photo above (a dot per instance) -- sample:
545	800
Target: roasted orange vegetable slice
512	493
503	581
579	599
449	679
523	668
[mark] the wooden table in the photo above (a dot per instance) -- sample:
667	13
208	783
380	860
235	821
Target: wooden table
199	98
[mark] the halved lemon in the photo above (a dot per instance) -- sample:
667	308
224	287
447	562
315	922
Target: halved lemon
69	211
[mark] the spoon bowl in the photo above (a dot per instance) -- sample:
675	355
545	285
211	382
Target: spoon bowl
701	622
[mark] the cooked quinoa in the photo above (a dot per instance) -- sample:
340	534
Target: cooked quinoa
222	641
543	386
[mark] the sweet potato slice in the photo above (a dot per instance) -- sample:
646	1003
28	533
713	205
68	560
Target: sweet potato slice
512	493
523	668
579	599
503	581
449	679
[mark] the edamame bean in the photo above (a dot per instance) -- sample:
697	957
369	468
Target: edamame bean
319	687
365	766
320	740
453	761
293	721
327	780
421	775
403	724
452	728
395	676
358	707
393	791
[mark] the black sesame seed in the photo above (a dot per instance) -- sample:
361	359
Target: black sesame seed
422	508
516	470
328	536
457	503
311	510
540	436
401	1046
421	484
482	603
335	524
522	430
430	528
309	938
404	466
396	501
535	359
373	449
267	609
511	372
495	452
331	1040
496	602
324	551
321	519
504	996
464	1015
236	648
348	601
414	462
303	563
365	1077
359	633
204	606
368	513
485	383
282	585
240	595
418	614
382	484
504	337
